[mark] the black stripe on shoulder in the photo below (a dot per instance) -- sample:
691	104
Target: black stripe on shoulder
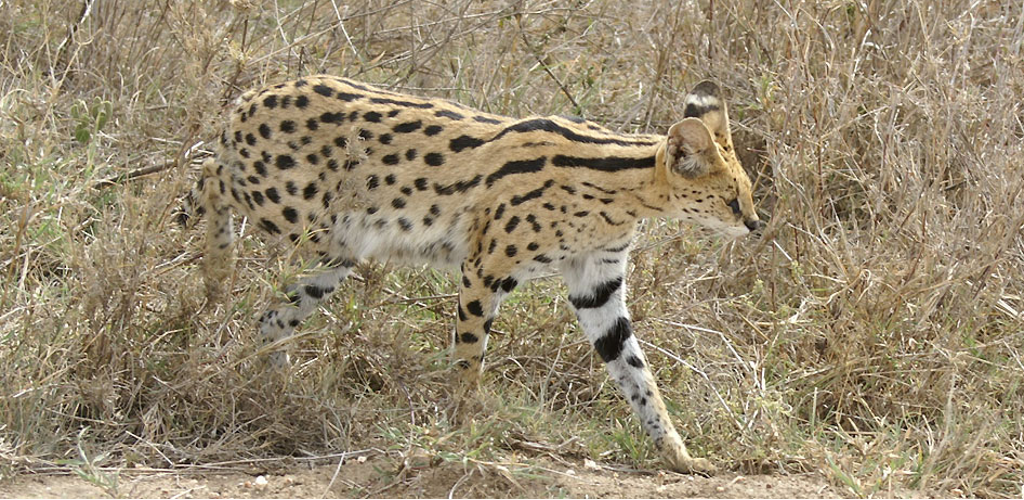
364	87
619	248
517	167
536	193
547	125
444	113
408	104
457	187
604	164
355	85
347	96
599	188
609	220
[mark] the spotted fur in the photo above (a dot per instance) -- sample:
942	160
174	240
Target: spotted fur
358	173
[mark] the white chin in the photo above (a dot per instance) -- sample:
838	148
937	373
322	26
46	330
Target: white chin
719	227
733	231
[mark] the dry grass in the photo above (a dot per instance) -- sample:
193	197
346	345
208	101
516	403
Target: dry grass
875	332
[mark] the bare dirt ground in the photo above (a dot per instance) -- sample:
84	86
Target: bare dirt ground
544	478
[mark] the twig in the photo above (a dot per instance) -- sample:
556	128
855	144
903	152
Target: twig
536	55
735	419
451	492
412	300
134	174
62	49
337	471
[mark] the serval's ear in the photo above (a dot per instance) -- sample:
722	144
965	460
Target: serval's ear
705	102
689	150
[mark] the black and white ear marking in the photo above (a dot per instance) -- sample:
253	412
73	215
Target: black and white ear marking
705	103
689	150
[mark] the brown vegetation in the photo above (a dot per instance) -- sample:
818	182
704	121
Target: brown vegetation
874	333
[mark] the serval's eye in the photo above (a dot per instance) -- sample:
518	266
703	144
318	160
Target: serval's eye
735	206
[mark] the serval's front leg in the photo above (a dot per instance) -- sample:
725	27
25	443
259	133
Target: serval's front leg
597	291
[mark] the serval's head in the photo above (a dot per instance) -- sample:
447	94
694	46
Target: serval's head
707	184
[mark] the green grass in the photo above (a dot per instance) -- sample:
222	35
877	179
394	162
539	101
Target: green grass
874	333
